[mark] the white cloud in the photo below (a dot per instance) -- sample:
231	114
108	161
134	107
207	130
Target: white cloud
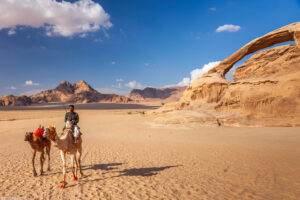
31	92
134	85
12	88
58	18
119	80
98	40
146	64
31	83
228	27
83	35
113	62
185	82
196	73
113	91
213	9
11	31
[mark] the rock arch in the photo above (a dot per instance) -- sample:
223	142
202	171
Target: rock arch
286	33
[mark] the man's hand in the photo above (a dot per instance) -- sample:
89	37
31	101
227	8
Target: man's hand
73	120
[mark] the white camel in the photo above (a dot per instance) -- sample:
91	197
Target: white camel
65	144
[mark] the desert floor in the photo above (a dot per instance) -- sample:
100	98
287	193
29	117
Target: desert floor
125	156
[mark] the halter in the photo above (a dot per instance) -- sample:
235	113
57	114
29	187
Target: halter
52	132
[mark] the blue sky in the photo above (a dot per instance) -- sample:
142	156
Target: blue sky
130	44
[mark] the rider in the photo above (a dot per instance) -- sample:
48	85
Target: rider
74	118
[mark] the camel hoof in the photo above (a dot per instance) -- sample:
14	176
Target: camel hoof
49	169
63	185
75	178
34	174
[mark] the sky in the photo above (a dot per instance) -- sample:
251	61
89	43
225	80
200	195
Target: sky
118	45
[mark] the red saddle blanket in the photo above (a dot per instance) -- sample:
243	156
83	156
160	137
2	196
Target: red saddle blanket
39	133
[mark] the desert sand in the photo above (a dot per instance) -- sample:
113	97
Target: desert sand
127	156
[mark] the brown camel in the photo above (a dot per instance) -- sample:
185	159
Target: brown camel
38	145
65	144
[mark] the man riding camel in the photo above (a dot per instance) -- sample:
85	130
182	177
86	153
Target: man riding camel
71	119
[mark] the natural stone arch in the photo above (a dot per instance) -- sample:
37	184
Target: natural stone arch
290	32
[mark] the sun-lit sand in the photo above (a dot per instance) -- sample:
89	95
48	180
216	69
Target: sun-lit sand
126	156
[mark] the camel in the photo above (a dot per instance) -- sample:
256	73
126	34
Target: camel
65	144
38	145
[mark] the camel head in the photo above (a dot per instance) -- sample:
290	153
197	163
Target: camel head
28	136
50	133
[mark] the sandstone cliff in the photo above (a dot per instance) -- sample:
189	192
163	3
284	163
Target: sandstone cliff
266	90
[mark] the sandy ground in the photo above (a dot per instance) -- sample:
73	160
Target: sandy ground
126	157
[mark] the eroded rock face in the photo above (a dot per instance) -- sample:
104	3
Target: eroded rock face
11	100
266	91
80	92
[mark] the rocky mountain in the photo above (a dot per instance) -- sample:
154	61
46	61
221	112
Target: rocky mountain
167	94
10	100
266	90
80	92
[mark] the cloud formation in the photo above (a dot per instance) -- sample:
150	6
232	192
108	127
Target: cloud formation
58	18
228	27
31	83
12	88
196	73
134	85
11	32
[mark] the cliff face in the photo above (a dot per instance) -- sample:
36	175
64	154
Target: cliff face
167	94
266	90
80	92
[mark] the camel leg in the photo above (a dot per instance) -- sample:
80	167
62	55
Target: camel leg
79	160
73	167
33	158
42	159
63	157
48	148
76	162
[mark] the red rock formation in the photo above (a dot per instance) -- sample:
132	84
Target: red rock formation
266	91
80	92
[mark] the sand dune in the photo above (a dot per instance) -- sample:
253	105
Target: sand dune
125	157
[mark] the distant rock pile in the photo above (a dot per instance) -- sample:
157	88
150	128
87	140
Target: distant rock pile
10	100
167	94
80	92
266	90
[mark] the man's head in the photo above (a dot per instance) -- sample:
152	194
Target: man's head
71	108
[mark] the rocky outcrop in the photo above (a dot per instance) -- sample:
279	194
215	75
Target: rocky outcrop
80	92
266	90
168	94
10	100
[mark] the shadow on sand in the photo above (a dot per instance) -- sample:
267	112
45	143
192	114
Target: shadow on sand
107	167
144	171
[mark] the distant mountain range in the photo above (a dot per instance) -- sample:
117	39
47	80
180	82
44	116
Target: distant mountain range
80	92
167	94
